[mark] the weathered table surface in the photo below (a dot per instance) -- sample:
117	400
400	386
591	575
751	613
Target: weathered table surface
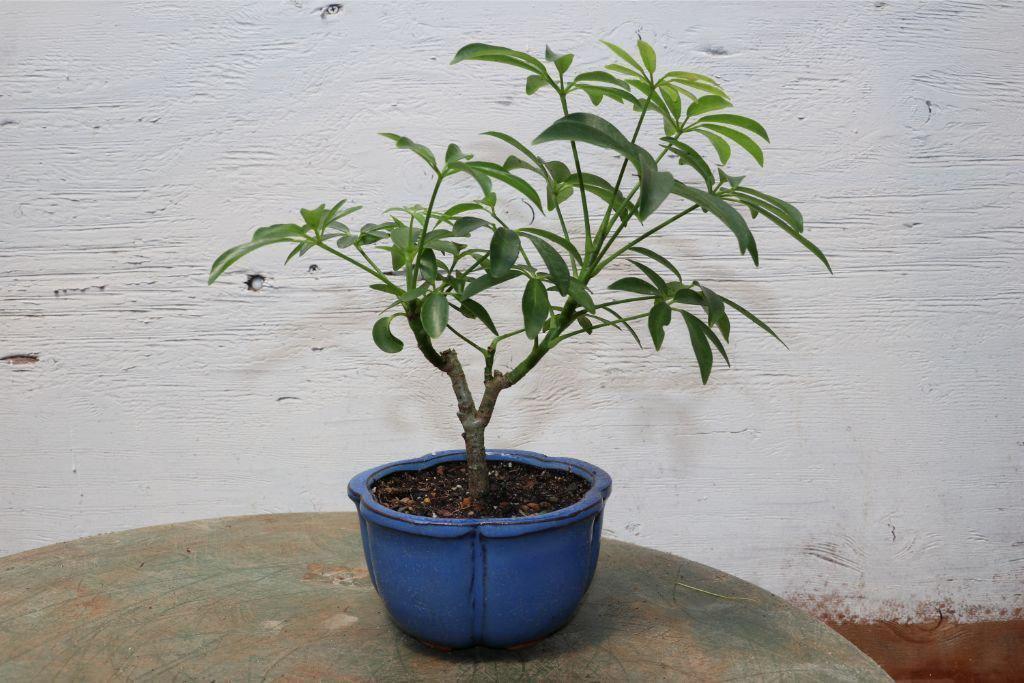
287	596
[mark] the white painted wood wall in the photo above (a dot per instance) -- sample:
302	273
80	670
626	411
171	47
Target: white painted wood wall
875	467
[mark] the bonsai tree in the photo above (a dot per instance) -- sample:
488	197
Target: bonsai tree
441	258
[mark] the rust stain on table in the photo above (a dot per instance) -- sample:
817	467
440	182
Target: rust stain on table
288	597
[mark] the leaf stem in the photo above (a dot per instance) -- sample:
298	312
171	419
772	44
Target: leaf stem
600	266
357	264
414	271
579	171
469	341
594	327
625	220
601	229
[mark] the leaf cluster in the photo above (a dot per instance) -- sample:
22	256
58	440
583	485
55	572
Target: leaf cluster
438	263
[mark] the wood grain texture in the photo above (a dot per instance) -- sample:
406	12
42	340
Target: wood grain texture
878	461
288	597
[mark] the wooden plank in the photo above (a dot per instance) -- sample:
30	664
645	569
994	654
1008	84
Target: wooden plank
288	596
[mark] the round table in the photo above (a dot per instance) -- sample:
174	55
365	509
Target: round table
287	596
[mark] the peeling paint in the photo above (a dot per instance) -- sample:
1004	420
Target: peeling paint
21	359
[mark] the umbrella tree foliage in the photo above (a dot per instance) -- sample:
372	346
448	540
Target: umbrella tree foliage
437	268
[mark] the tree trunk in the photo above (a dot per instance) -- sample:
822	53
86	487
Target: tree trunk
476	459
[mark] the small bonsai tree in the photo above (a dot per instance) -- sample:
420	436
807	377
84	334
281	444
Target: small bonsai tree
436	260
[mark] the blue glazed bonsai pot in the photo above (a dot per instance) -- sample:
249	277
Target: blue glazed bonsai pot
500	582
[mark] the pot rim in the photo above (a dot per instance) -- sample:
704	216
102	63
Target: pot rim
591	503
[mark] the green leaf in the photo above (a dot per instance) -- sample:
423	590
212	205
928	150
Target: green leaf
691	76
495	171
562	62
428	266
600	77
720	145
388	288
737	121
604	190
569	247
634	285
400	236
229	257
775	215
652	276
716	308
710	334
657	319
504	252
484	282
671	98
403	142
654	256
280	230
796	218
411	295
467	224
724	212
752	318
535	307
688	156
578	291
556	265
589	128
654	187
707	103
647	54
740	139
622	321
494	53
454	153
687	296
462	207
592	129
626	71
699	342
314	217
435	314
505	137
292	254
624	56
383	337
475	311
535	83
597	92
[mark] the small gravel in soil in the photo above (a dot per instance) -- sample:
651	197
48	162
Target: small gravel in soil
517	490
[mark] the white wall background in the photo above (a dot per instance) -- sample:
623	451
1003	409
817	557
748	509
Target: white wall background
875	466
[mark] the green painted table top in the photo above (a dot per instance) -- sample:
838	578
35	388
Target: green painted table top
287	597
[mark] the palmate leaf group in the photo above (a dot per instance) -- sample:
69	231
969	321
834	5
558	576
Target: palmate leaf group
433	259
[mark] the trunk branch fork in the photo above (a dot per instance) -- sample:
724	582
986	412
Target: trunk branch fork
475	418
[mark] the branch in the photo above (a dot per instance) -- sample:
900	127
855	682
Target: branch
579	170
423	235
423	342
618	231
463	394
601	229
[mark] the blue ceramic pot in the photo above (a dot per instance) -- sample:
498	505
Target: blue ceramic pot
500	582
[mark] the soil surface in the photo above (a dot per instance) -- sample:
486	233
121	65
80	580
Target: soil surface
517	490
